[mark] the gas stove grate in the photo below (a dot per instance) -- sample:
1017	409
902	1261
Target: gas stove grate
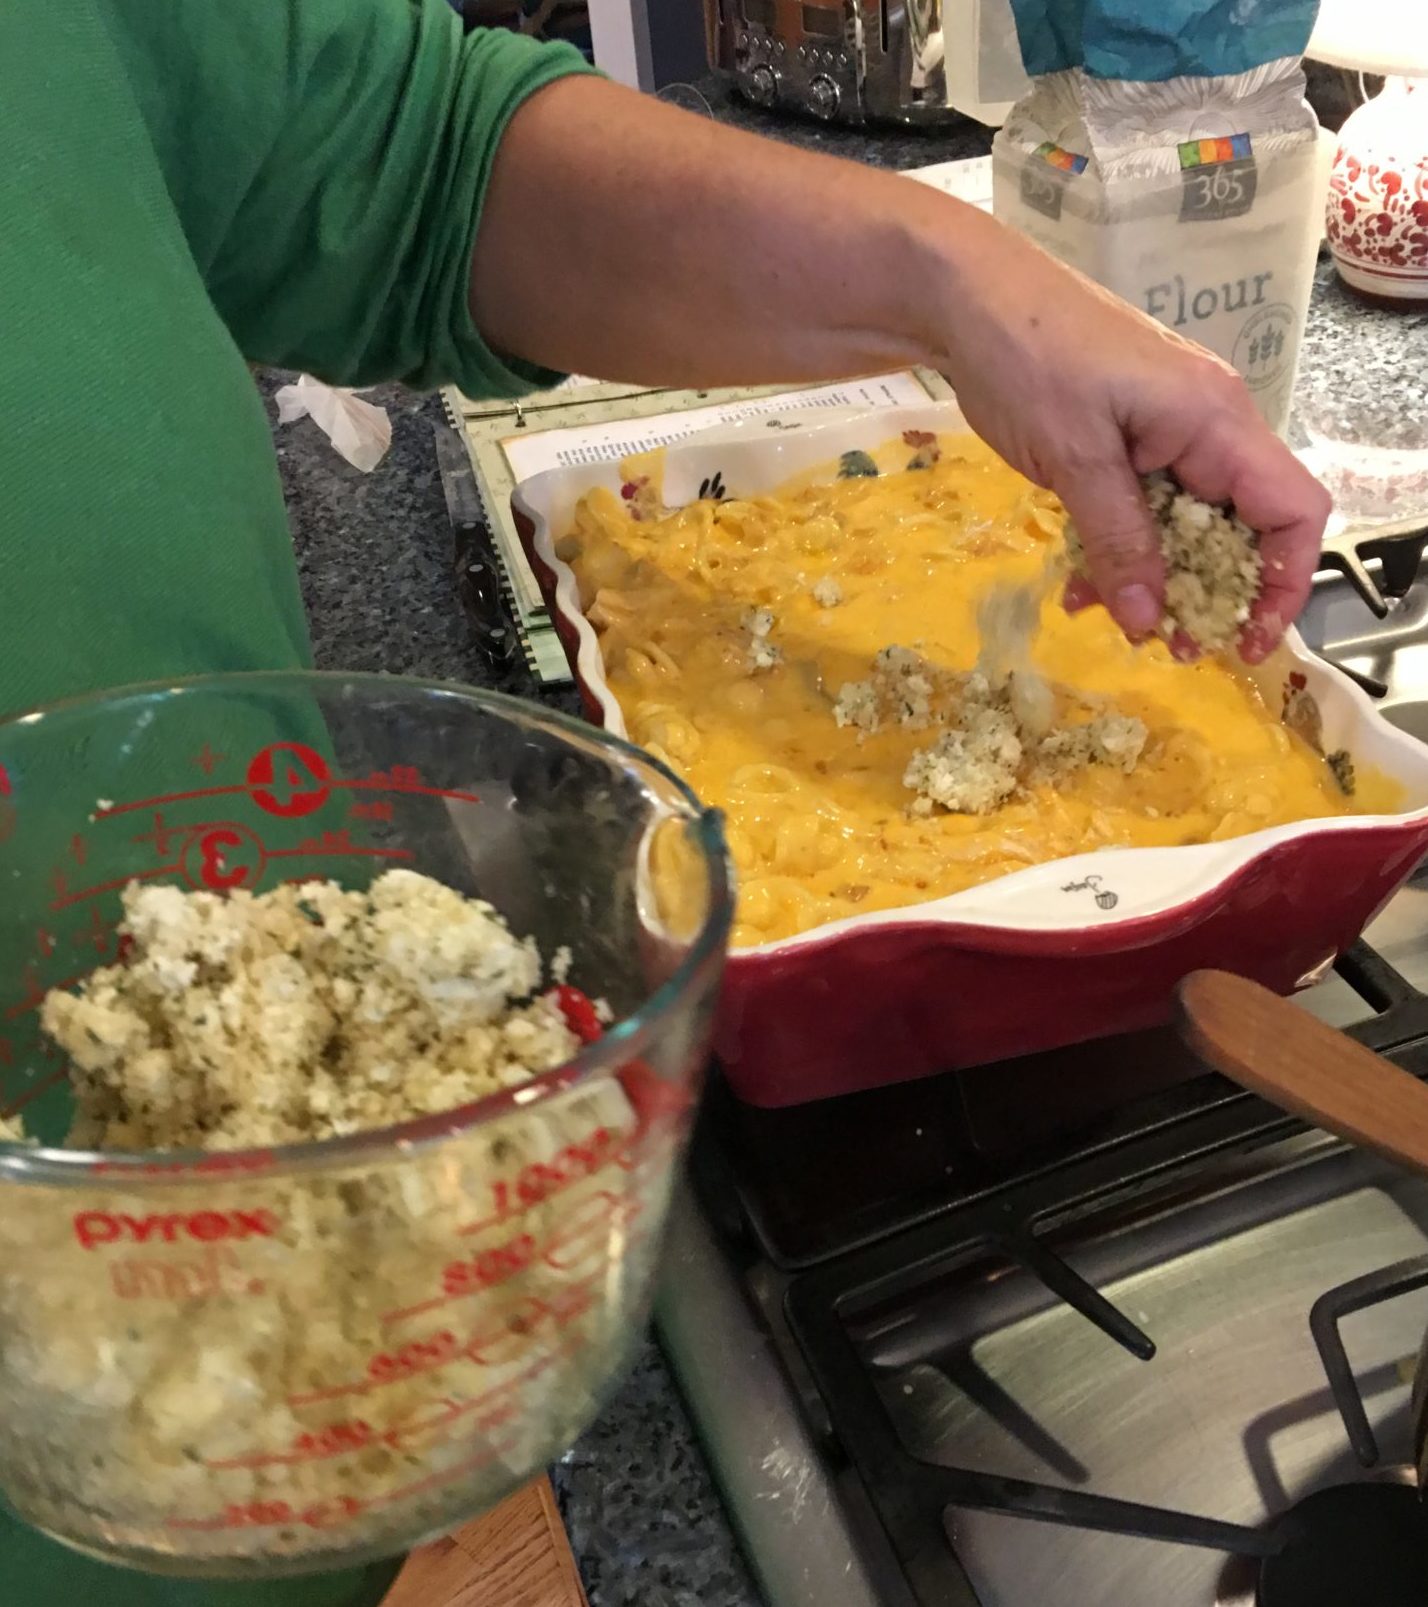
1396	545
992	1207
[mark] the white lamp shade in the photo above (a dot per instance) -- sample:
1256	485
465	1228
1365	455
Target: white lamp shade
1374	36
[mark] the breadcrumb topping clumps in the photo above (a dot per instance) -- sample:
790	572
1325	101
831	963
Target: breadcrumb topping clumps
995	732
1213	565
989	751
302	1013
904	687
974	766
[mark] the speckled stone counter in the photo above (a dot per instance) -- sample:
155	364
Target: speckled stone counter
374	551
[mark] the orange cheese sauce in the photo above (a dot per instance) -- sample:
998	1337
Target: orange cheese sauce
818	819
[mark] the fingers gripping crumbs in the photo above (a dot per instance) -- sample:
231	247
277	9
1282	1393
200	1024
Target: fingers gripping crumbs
1213	566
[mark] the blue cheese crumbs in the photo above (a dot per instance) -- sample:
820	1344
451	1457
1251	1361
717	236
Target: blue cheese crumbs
306	1012
827	593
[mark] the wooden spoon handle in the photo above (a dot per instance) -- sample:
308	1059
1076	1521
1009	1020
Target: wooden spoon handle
1296	1062
516	1555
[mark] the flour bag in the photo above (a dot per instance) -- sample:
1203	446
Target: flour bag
1166	150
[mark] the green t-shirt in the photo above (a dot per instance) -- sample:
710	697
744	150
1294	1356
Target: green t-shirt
186	185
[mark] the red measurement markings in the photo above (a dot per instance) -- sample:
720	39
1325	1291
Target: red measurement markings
488	1269
78	849
166	798
31	1094
340	1509
267	1514
207	760
379	810
291	780
403	780
337	845
441	1349
7	1052
223	857
221	1164
541	1180
35	991
98	934
5	788
164	838
44	942
431	1422
65	899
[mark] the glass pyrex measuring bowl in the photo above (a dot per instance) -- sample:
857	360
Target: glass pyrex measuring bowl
249	1363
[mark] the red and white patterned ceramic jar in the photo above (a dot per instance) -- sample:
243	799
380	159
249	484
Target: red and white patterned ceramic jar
1378	195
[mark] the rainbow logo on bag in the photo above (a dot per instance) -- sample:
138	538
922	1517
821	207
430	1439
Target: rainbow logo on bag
1067	161
1209	152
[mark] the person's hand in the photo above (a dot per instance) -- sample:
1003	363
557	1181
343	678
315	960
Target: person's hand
1083	394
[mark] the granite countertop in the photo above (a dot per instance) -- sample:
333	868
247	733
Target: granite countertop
374	554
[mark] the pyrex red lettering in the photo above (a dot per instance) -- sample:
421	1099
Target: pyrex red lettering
93	1228
207	1226
259	1224
142	1229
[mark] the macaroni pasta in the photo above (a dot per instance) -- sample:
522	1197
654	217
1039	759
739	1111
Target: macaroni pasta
819	818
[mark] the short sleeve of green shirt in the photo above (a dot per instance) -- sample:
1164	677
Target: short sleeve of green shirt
328	161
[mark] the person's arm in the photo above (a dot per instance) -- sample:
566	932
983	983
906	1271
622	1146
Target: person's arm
625	238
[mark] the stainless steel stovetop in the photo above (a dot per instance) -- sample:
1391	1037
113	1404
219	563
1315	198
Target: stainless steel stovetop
969	1361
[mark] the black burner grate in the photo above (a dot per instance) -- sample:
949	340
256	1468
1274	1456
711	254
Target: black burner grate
838	1227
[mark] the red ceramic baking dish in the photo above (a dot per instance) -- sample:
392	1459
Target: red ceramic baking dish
1054	954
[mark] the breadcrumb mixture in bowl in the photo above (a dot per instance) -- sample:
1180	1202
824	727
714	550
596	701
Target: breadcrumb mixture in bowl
306	1012
366	1170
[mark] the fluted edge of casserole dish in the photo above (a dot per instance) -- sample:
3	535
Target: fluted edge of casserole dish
1057	953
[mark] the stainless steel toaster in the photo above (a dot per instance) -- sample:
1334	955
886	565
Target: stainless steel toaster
849	61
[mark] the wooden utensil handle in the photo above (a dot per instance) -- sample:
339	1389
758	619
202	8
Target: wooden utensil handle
1274	1048
515	1556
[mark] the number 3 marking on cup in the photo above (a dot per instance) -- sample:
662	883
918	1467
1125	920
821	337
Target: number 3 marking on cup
223	858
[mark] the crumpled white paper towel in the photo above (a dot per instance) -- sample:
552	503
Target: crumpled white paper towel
360	431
